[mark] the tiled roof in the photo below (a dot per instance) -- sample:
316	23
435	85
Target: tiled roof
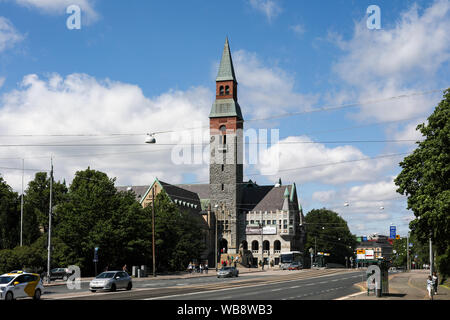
138	190
264	198
254	197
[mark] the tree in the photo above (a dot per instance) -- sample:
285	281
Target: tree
177	236
327	232
37	201
425	179
9	216
96	215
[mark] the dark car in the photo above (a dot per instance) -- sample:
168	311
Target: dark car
295	266
227	272
58	273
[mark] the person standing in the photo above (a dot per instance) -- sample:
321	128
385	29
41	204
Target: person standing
206	268
435	282
430	287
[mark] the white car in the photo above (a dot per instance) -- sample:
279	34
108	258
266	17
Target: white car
20	285
111	280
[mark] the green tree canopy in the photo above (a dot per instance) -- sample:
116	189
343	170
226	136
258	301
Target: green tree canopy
36	205
425	179
9	216
327	232
96	215
178	235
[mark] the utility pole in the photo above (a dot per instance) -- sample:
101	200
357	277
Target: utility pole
216	235
153	231
407	252
431	257
50	223
21	206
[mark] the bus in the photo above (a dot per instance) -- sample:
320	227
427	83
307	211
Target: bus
286	258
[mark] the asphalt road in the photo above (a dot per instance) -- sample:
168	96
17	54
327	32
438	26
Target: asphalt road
299	285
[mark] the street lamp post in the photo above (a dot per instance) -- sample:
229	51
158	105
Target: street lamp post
153	232
50	223
216	220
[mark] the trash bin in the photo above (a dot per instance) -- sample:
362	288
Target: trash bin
143	270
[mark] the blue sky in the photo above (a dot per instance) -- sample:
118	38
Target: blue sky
145	66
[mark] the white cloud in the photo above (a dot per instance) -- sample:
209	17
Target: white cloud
298	29
270	8
88	12
319	163
267	90
9	35
81	104
397	60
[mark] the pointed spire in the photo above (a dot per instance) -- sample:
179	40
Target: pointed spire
226	69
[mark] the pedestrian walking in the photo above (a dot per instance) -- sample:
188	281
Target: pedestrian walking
124	269
190	267
206	268
435	282
430	287
201	268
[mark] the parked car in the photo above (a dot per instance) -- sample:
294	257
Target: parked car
111	280
227	272
58	273
295	266
20	285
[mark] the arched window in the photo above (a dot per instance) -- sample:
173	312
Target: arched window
227	90
277	245
223	134
244	245
266	245
221	91
255	245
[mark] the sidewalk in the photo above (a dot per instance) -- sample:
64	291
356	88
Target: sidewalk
179	275
404	286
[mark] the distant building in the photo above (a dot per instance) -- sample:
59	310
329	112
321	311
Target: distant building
241	208
381	245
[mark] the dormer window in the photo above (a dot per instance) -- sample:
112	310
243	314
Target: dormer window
227	90
221	90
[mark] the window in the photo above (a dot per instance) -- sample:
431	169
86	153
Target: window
223	136
223	167
221	91
223	187
227	90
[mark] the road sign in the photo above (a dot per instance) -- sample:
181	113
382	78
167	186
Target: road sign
397	237
393	232
96	254
369	254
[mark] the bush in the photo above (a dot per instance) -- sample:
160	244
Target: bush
21	258
443	265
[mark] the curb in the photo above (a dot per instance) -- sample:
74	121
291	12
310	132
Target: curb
185	276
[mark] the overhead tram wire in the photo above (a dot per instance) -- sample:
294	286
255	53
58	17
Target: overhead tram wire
206	144
312	109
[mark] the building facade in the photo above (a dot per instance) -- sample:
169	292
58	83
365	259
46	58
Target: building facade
237	216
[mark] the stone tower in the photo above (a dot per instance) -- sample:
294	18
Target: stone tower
226	162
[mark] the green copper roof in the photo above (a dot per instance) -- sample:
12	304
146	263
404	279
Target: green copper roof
225	108
226	69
